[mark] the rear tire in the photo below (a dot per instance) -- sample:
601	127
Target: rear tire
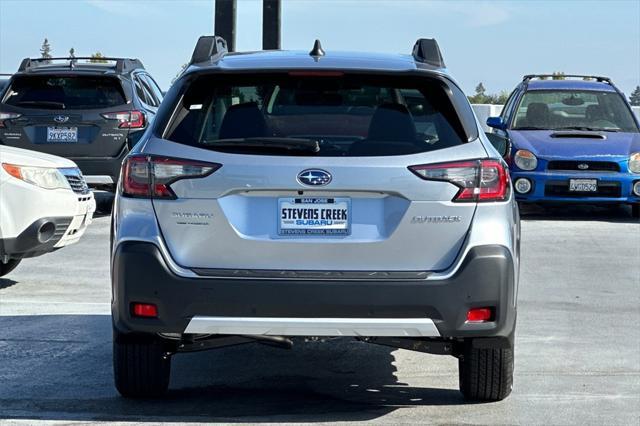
141	366
485	374
5	268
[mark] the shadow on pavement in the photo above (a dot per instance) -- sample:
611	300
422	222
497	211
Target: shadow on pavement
578	212
6	283
58	367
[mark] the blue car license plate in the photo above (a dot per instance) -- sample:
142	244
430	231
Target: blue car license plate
583	185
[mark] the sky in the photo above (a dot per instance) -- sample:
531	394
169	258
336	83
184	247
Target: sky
494	42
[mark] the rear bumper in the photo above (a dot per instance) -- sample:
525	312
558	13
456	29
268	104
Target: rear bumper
101	172
302	307
552	186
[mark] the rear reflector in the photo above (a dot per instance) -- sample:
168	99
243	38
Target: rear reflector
480	315
127	119
151	176
478	180
145	310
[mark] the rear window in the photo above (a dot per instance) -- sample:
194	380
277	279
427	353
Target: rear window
347	115
54	92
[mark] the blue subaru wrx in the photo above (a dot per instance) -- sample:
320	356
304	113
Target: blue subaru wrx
572	140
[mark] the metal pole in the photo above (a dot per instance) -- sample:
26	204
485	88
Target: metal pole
271	16
225	22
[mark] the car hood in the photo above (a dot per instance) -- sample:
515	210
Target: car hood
615	146
24	157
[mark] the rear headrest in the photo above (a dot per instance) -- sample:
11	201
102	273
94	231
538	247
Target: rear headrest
243	121
392	122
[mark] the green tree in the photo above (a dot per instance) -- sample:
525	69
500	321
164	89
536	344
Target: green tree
558	75
45	49
97	58
634	99
72	53
480	97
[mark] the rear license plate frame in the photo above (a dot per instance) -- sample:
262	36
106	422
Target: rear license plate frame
70	134
330	223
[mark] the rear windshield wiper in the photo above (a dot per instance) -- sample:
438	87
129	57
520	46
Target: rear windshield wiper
267	143
51	104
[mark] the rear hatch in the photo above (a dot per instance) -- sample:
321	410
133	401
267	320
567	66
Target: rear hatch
299	173
71	116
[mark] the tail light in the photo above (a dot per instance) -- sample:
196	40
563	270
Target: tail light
7	116
478	180
150	176
127	119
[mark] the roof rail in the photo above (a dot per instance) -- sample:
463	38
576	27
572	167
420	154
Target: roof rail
427	50
208	48
120	64
599	78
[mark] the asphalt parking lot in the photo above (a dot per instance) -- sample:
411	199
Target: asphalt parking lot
577	349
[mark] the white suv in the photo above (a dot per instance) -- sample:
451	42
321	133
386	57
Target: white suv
45	204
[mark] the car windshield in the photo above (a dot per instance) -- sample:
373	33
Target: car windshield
343	114
574	110
56	92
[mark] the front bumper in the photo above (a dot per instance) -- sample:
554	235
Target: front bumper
429	308
553	186
45	235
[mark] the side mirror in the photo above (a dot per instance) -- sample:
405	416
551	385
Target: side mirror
496	123
500	143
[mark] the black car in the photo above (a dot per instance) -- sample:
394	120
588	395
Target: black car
89	110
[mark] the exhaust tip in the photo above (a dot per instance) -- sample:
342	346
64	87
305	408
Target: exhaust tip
46	232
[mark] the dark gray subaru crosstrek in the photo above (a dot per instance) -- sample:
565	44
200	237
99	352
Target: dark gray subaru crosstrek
318	194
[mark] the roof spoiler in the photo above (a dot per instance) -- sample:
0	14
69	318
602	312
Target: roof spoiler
121	64
427	50
599	78
208	48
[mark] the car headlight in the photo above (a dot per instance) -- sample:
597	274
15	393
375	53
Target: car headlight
44	177
634	162
525	160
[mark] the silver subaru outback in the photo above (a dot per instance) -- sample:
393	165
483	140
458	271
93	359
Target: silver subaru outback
315	194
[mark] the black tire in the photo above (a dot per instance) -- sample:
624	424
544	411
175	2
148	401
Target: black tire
141	366
5	268
485	374
635	211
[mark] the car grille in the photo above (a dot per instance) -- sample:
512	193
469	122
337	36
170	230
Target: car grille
584	166
561	189
76	181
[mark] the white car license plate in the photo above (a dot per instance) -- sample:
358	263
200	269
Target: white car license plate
583	185
62	134
314	216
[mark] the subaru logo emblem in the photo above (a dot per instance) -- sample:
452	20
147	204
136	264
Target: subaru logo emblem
583	166
314	177
60	118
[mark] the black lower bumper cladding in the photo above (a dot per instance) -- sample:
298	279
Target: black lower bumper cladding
38	238
485	279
